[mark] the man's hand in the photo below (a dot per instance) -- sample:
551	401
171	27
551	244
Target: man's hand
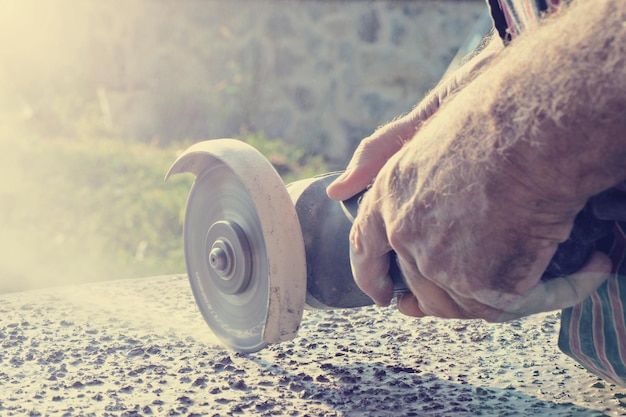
476	203
472	239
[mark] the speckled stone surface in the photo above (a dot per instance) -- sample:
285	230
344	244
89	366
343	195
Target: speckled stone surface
140	348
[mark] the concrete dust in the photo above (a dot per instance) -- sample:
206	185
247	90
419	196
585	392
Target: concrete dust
43	242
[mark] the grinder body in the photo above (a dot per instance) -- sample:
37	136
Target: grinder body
325	227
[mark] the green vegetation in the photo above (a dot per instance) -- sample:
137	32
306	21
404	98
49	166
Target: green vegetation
96	102
95	209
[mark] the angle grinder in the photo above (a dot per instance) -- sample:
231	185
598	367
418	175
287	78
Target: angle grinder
258	252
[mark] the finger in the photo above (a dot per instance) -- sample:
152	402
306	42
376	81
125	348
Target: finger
372	153
354	180
563	292
408	305
426	297
369	157
434	302
369	259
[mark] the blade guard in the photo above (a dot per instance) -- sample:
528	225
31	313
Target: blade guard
281	228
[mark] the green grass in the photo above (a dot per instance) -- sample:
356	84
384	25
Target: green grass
76	211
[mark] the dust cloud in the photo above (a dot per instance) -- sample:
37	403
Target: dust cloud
42	242
50	95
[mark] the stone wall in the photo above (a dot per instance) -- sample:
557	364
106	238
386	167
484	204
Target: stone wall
323	75
318	74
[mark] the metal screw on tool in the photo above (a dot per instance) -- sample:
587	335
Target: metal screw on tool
219	259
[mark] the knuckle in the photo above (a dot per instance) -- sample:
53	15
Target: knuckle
429	267
368	145
397	240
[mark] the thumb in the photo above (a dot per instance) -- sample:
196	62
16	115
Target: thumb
368	159
563	292
350	183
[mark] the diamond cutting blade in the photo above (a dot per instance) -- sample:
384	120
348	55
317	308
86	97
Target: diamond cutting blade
243	245
226	258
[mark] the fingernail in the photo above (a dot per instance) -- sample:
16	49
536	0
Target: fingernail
342	177
355	247
337	182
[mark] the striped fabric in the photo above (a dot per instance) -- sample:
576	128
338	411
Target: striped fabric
594	332
512	17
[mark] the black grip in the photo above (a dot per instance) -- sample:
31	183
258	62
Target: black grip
350	208
594	223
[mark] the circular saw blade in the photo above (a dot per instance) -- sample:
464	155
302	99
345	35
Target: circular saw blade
236	318
243	245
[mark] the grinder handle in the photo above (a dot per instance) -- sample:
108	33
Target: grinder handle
350	208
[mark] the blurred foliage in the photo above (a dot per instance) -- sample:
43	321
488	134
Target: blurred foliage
96	209
291	163
96	103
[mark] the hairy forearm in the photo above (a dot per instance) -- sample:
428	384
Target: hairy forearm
455	80
552	105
